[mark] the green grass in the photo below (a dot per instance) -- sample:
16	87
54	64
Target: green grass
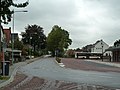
4	77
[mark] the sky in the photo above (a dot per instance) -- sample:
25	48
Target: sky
86	20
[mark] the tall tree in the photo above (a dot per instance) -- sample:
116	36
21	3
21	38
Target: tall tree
6	12
34	36
58	40
18	45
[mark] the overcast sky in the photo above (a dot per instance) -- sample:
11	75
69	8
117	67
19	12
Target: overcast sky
86	20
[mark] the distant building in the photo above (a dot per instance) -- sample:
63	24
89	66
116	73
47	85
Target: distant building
115	56
87	48
7	33
70	53
96	50
99	47
14	36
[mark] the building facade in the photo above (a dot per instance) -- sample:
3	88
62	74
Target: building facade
99	47
115	57
96	50
7	33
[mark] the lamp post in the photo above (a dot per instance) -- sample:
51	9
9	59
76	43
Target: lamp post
13	27
3	66
30	52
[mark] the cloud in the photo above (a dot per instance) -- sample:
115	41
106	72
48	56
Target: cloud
86	20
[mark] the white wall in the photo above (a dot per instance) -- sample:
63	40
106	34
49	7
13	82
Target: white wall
98	47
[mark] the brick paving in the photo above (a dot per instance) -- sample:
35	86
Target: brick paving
17	79
23	82
81	64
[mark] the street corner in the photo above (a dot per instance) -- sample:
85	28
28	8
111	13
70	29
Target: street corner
61	64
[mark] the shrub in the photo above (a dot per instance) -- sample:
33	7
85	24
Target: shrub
58	60
4	77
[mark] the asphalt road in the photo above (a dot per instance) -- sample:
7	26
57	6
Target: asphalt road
48	69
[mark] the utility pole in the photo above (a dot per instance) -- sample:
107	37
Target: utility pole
0	34
13	27
1	38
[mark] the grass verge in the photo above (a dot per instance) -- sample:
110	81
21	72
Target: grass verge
4	77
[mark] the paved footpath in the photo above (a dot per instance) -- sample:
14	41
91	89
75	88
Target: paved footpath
23	82
13	70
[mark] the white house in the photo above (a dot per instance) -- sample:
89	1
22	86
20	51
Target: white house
99	47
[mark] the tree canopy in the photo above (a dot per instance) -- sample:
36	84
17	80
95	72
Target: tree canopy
34	36
6	12
58	39
117	43
18	45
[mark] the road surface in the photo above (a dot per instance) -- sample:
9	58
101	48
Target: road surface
47	68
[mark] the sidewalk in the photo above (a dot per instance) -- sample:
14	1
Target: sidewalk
87	65
115	64
13	69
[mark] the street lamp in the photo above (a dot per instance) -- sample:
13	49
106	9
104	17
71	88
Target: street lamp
3	62
30	52
13	27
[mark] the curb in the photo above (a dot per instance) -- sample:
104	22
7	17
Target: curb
11	78
14	73
60	64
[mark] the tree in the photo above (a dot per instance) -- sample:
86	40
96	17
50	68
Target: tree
5	12
117	43
58	40
18	45
35	37
78	49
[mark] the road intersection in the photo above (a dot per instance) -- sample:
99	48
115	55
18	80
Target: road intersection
54	76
